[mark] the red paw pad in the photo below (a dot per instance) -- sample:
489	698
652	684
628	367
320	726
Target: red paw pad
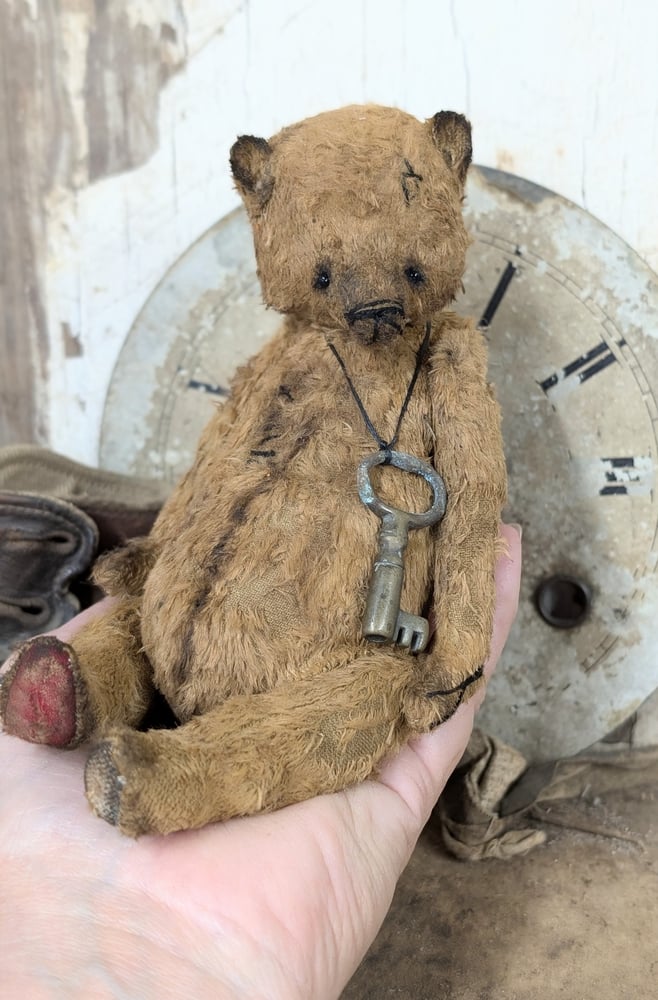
39	693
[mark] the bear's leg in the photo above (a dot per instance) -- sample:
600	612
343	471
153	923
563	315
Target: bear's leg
254	752
59	694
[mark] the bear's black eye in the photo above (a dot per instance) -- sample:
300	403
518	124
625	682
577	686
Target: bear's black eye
414	275
322	278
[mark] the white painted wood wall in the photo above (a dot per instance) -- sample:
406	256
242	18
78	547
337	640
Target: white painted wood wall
564	93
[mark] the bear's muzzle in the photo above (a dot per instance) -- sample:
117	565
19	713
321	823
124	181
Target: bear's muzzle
376	320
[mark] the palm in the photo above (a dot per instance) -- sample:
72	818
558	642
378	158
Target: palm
295	897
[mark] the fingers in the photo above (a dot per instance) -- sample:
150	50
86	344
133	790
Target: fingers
508	582
426	765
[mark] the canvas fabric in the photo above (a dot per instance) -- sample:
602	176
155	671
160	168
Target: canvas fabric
496	805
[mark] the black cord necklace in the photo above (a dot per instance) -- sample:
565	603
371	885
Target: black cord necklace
383	620
421	354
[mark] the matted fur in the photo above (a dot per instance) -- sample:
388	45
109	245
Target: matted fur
244	606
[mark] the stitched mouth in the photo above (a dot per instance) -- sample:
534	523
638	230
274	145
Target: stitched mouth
383	311
376	320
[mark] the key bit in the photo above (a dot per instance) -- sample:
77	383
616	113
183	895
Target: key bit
412	632
383	620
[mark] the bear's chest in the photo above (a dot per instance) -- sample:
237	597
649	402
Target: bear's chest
276	558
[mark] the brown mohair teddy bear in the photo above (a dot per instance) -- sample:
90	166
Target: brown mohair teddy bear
265	604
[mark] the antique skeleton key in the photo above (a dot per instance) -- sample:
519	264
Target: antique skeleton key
383	620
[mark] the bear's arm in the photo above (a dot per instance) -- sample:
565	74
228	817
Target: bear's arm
233	423
123	572
469	455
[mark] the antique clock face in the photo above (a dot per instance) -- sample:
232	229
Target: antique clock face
569	313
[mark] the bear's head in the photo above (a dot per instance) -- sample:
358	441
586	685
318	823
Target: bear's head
357	217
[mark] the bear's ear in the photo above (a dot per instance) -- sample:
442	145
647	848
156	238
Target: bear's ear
252	173
452	134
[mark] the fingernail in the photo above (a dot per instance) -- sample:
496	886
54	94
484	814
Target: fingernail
517	527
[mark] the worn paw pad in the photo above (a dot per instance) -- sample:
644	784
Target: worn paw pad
104	784
38	693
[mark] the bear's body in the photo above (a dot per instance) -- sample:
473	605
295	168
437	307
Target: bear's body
244	605
274	490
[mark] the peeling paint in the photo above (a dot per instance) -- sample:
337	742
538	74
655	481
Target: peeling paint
72	344
125	235
31	118
131	52
78	100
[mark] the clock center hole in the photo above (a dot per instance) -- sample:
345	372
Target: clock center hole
563	601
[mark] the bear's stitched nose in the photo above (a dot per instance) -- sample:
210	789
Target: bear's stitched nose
382	309
374	319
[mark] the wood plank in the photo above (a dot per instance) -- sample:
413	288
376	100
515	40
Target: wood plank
56	136
26	124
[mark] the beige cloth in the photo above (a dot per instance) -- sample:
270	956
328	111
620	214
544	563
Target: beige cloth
29	468
495	805
469	810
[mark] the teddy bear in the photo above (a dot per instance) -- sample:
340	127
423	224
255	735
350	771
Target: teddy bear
356	470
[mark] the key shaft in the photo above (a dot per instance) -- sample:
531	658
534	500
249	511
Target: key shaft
380	620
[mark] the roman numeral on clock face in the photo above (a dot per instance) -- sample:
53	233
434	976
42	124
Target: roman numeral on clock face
209	387
626	476
621	475
581	370
498	294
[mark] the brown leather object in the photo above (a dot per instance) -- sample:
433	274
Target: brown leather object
45	544
116	523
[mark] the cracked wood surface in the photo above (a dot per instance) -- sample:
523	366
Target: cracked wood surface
28	120
79	93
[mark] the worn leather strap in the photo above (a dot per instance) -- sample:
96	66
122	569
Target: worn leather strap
45	544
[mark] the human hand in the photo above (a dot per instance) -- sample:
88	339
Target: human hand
282	905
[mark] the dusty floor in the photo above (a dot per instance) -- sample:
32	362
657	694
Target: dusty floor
575	919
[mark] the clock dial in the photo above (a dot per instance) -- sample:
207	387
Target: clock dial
568	311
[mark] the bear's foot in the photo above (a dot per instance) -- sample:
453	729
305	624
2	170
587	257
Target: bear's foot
42	696
104	783
118	777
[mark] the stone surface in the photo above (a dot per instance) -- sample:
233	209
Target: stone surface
574	920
